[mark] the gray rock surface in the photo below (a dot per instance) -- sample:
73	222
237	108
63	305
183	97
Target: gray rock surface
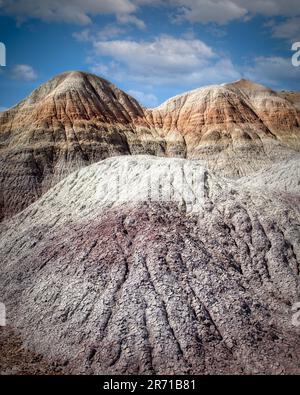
156	285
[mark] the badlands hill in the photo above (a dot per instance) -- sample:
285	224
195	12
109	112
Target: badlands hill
161	240
73	120
77	119
198	275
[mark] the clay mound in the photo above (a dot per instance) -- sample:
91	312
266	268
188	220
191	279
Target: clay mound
293	97
76	95
77	119
236	129
282	177
140	286
70	122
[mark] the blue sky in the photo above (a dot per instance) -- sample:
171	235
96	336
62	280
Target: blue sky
151	49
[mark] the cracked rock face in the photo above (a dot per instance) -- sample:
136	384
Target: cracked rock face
197	280
77	119
158	240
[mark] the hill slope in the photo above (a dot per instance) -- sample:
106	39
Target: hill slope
71	121
92	269
77	119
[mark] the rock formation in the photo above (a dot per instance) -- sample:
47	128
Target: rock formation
73	120
77	119
196	280
159	241
235	128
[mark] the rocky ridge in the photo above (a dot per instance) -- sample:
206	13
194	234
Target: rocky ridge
77	119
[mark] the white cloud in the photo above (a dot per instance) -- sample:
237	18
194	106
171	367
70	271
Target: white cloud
206	11
274	71
110	70
23	72
108	32
225	11
289	29
75	11
83	35
271	7
127	19
163	61
146	99
187	63
165	54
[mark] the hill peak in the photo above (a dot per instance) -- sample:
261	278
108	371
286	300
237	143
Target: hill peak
248	85
68	82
